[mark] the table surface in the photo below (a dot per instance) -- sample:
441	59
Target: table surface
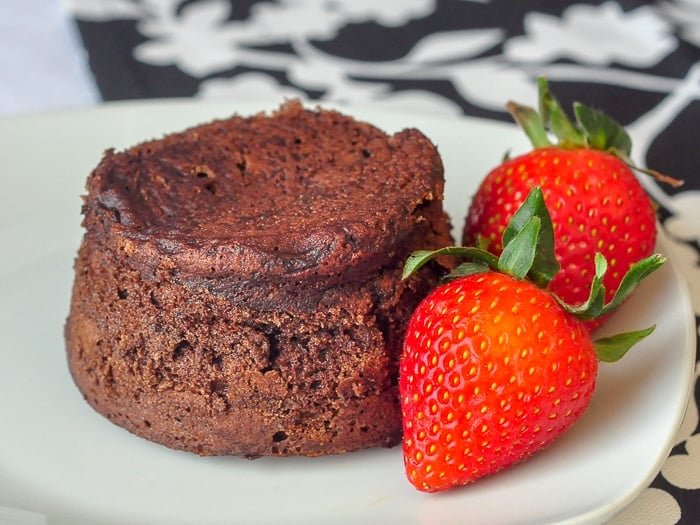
638	61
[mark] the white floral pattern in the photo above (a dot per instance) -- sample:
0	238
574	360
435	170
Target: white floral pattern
652	506
686	14
185	40
636	38
683	227
683	470
449	57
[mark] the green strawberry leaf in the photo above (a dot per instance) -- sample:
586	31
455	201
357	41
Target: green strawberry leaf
613	348
531	207
544	266
531	123
637	272
421	257
464	270
519	253
595	303
556	119
602	132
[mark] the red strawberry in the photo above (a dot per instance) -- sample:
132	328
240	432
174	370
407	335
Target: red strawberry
595	200
484	388
494	367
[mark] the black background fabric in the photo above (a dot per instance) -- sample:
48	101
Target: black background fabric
120	77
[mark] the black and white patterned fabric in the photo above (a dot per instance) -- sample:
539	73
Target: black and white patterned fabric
638	61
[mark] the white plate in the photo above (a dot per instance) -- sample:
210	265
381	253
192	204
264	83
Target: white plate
61	460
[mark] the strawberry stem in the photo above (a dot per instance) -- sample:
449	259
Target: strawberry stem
656	175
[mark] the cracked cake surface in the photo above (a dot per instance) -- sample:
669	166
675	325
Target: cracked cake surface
238	287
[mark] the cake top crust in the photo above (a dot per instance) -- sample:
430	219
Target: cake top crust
297	192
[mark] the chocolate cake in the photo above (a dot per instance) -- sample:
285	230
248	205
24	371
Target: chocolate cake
237	290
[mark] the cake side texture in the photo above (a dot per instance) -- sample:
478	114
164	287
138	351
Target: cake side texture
238	286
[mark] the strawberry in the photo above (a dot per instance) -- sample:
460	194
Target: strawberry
596	202
494	367
483	388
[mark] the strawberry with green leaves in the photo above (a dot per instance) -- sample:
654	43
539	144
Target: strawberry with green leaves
494	367
595	200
